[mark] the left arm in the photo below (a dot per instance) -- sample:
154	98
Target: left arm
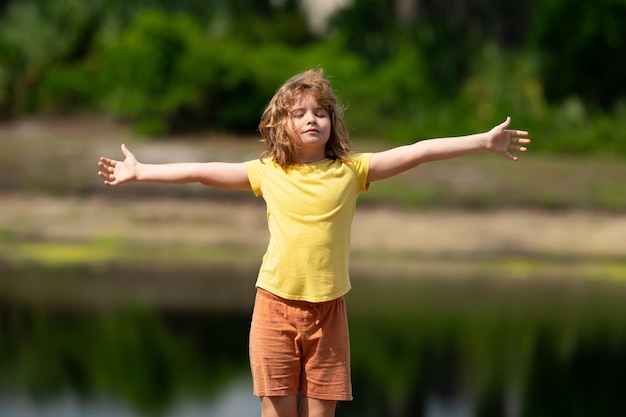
499	140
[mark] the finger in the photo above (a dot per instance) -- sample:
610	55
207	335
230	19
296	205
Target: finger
105	176
520	141
506	123
108	169
517	132
125	151
103	165
109	174
107	161
510	156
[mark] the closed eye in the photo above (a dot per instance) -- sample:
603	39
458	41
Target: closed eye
320	112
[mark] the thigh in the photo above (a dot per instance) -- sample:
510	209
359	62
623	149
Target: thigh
275	356
326	352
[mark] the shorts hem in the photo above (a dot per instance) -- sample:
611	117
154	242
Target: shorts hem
281	393
323	397
328	397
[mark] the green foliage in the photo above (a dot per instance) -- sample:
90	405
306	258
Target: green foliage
169	67
37	38
66	89
140	69
391	100
588	58
164	74
503	84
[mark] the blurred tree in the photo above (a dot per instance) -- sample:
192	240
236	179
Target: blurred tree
450	33
36	37
424	60
583	45
4	4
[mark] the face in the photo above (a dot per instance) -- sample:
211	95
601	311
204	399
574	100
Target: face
312	125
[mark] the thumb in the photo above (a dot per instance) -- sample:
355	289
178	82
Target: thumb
506	123
125	151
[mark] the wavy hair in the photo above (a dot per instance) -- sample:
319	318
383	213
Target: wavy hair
276	123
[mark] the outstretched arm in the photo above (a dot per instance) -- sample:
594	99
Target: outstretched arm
499	140
226	175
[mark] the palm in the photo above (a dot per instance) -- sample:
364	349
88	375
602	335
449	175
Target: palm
501	139
126	170
118	172
505	141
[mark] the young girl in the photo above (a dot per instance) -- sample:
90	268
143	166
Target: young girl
310	180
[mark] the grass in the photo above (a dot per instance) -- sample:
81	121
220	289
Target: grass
56	254
83	222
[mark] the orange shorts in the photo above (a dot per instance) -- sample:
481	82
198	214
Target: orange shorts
298	347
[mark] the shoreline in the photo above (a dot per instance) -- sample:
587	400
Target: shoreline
427	232
96	252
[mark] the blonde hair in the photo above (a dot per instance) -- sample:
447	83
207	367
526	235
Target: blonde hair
276	122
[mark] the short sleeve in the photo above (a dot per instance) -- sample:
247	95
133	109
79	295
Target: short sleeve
361	164
254	169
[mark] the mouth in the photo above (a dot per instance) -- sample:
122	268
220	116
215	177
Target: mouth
311	131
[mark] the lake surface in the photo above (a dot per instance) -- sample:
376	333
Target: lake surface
445	347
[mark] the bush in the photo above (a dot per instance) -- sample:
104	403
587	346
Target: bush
176	71
140	68
165	75
35	39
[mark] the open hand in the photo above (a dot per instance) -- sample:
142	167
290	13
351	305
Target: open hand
504	141
118	172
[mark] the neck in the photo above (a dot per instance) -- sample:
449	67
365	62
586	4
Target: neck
310	157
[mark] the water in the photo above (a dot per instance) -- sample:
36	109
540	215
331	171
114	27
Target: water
233	399
432	348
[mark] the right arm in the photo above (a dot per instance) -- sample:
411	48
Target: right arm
231	176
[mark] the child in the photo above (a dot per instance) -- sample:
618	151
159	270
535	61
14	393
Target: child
310	181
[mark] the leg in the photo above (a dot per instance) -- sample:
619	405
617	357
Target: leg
279	406
312	407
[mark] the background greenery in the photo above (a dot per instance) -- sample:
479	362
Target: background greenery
437	68
90	305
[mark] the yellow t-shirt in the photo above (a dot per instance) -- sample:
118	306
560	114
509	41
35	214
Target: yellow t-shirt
309	213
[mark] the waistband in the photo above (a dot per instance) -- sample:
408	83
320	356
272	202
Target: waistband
295	303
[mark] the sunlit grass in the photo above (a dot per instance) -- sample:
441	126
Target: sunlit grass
115	249
112	250
492	266
58	254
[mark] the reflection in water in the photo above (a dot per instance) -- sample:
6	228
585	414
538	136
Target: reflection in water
435	349
234	400
143	357
448	407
